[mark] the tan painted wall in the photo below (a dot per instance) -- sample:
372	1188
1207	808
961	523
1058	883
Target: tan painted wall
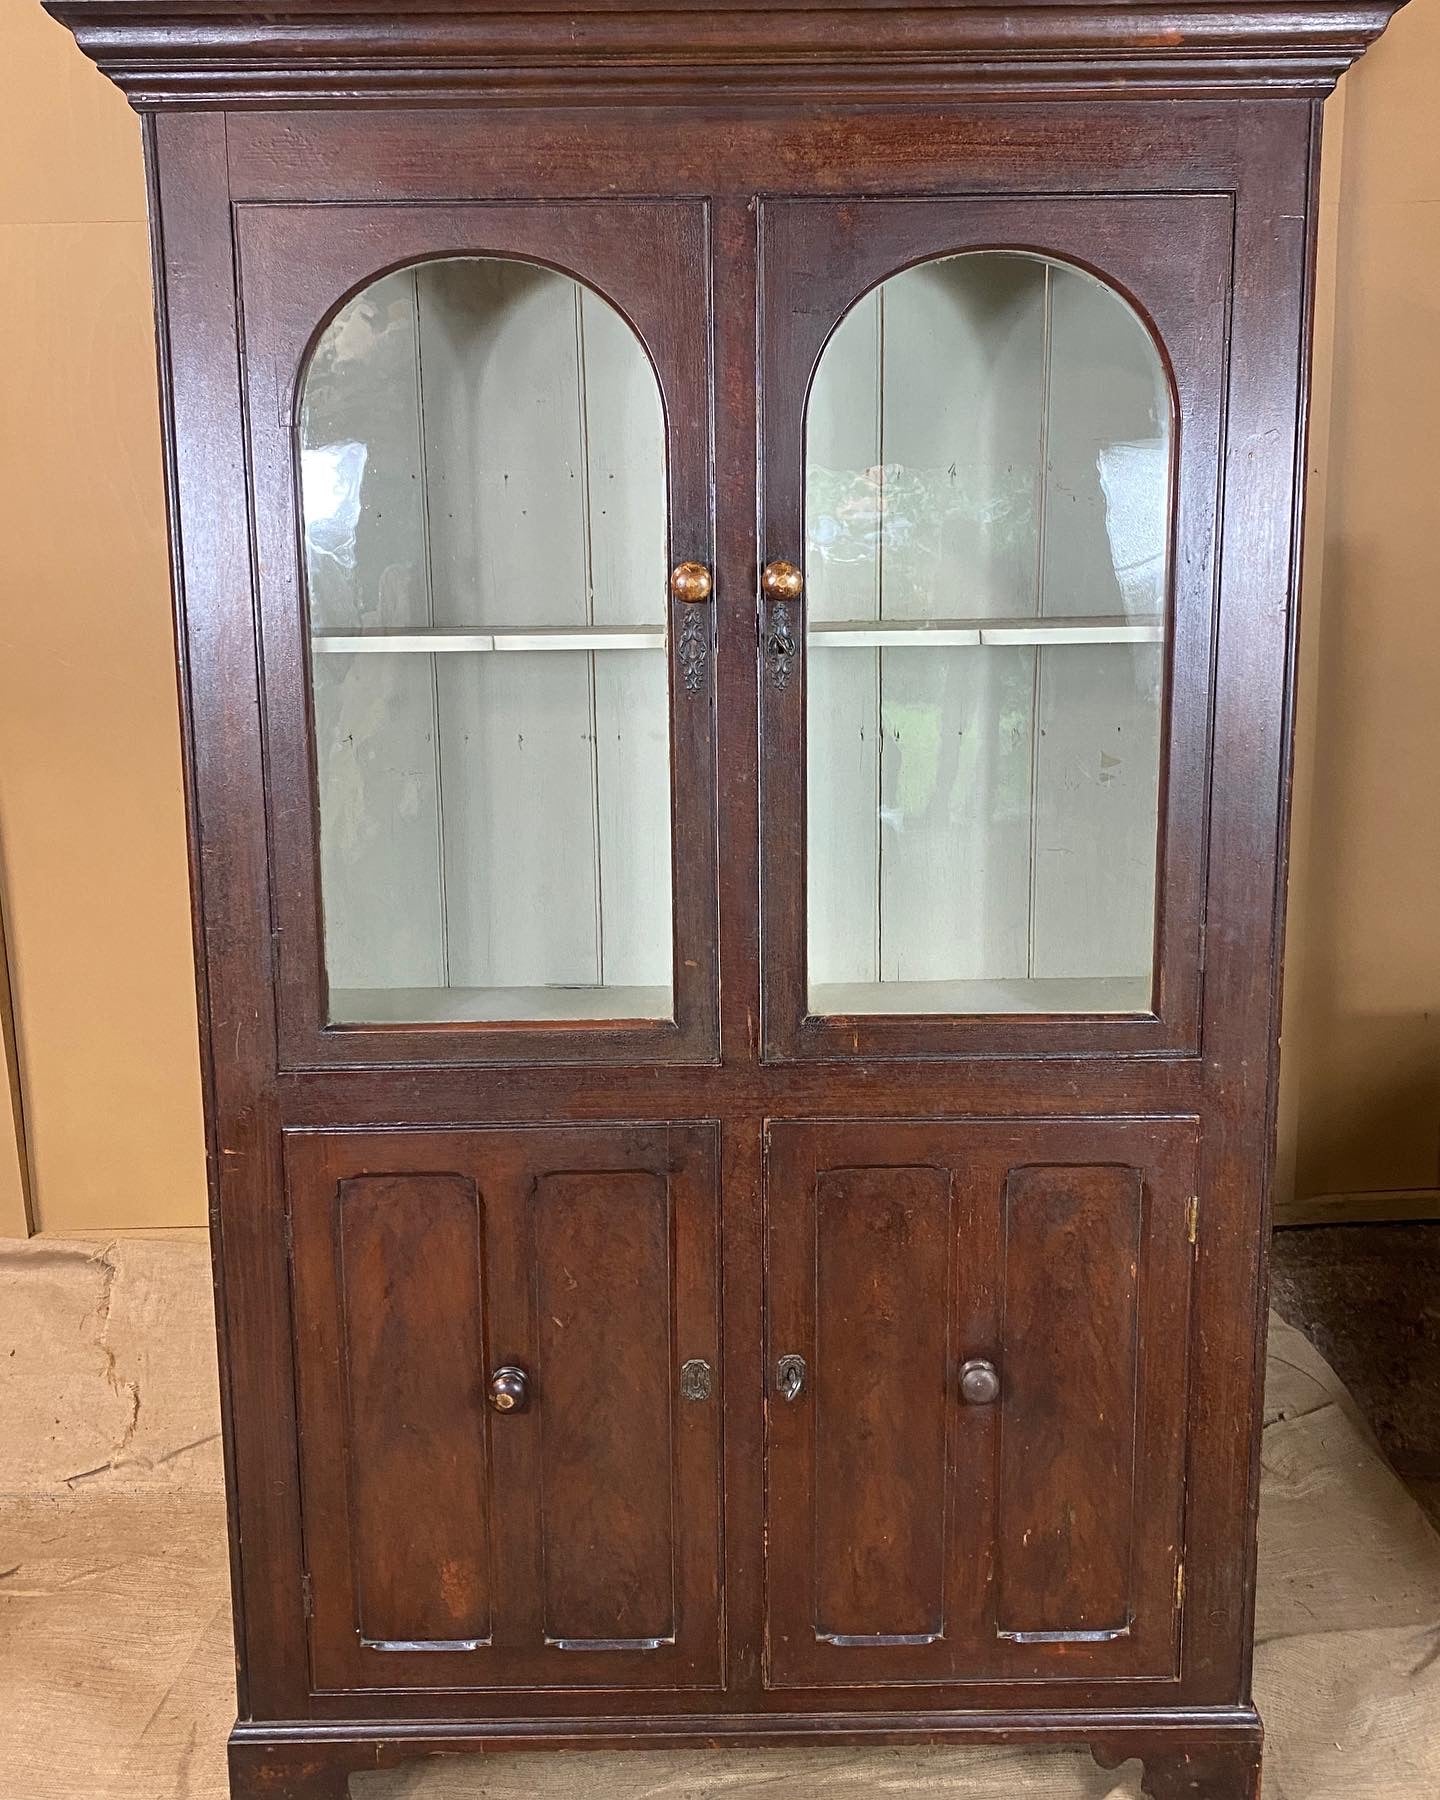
14	1159
1361	1054
90	806
90	815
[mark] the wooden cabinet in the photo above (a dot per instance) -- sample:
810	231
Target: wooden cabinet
735	578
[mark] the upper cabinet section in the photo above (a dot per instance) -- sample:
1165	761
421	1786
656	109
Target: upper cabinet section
482	451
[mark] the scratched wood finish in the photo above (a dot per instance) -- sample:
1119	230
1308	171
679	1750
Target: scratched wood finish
603	1341
411	1269
1074	1239
881	1357
1171	152
574	1541
914	1535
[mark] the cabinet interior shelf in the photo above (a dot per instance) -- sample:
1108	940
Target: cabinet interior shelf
430	641
1017	994
480	1005
840	634
869	634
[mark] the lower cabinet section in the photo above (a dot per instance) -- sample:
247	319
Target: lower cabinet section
509	1405
977	1349
974	1410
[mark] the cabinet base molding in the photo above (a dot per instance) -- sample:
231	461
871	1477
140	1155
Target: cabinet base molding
1210	1754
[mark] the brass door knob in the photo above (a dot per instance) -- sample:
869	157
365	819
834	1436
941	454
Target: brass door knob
782	581
690	582
509	1389
979	1382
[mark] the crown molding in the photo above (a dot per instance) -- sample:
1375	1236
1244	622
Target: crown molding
199	53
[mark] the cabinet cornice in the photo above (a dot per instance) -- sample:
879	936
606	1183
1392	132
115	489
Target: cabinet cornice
200	53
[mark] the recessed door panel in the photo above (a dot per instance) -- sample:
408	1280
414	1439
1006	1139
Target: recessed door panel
507	1347
881	1352
411	1258
604	1322
979	1473
1070	1315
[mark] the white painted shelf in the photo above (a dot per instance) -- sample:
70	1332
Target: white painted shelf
433	641
839	634
1023	994
534	1005
894	634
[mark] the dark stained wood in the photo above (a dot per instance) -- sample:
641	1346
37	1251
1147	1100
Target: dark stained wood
1221	1748
411	1267
913	1536
881	1354
1274	265
164	53
1068	1349
573	1540
230	885
603	1330
1202	1770
925	1193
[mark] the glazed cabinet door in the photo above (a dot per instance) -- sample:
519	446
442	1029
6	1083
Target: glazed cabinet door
990	458
480	444
510	1417
978	1340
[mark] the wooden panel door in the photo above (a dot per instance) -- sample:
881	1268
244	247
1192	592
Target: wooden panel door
570	1535
977	1346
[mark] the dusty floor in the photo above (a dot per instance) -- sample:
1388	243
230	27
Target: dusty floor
115	1677
1368	1298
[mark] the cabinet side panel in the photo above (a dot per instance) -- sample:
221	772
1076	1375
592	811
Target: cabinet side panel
1069	1363
603	1310
882	1357
411	1260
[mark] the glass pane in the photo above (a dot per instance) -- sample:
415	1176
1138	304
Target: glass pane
483	479
987	498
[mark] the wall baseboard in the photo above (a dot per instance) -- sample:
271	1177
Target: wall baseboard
1382	1206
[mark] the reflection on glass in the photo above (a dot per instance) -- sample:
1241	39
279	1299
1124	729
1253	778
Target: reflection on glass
987	495
483	492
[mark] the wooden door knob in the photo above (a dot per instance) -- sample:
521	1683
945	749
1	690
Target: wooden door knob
690	582
782	581
979	1382
509	1389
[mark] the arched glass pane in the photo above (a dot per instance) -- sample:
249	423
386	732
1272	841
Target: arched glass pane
987	491
483	482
